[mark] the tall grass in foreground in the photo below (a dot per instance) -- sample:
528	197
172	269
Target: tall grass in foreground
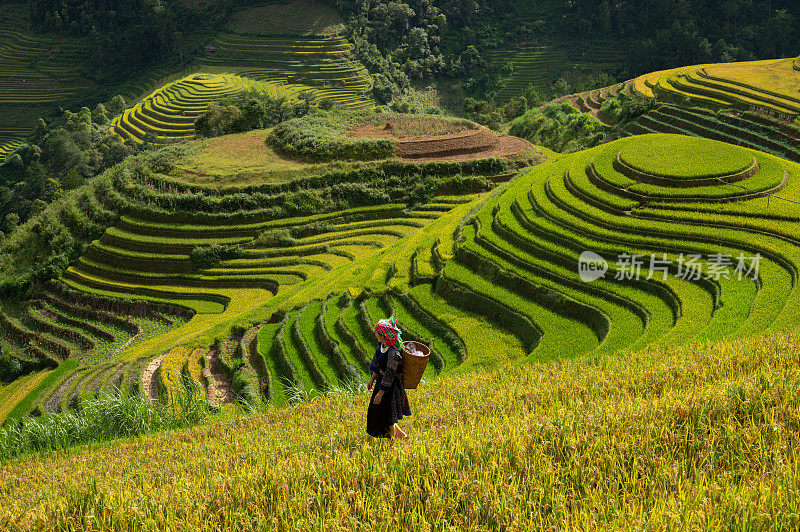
698	437
297	395
105	417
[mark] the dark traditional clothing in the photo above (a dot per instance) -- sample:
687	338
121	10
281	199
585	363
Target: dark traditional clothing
387	364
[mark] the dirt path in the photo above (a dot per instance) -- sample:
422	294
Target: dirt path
149	384
127	344
220	389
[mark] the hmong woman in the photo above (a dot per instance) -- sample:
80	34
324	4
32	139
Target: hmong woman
389	402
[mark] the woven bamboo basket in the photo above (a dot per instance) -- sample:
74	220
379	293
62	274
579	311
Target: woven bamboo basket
413	365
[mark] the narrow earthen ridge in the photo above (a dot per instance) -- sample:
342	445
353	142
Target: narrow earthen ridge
465	142
220	389
149	384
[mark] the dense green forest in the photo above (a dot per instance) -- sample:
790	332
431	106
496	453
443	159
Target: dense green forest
126	34
419	39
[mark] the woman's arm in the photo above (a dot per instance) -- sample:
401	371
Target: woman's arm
373	365
392	366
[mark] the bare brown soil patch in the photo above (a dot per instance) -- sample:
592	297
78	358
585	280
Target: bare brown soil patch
149	383
404	127
506	146
220	389
464	145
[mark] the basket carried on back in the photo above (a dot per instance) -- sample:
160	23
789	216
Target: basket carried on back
414	365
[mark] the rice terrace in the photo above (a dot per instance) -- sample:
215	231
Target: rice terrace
399	265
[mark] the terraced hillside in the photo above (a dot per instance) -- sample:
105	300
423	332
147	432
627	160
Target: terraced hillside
699	237
756	129
304	60
307	57
662	199
297	42
537	66
591	101
37	72
170	267
170	112
772	84
10	138
149	260
542	65
323	62
752	104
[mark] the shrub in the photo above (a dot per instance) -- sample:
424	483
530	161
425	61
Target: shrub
218	120
311	229
559	127
272	238
209	256
10	367
483	112
248	111
322	137
626	108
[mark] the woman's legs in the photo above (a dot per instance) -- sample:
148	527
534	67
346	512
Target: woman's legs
398	433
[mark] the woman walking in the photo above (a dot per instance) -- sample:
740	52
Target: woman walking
389	402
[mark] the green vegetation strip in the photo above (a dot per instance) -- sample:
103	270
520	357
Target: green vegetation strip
24	406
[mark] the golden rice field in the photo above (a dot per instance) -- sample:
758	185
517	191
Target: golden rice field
169	112
696	437
772	84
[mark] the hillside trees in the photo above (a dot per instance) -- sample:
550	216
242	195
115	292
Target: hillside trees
248	111
417	39
401	41
559	127
60	156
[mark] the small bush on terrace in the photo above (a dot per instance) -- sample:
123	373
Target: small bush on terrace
311	229
210	256
323	137
625	108
10	368
273	238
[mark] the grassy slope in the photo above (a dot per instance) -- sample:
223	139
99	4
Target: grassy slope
695	437
238	159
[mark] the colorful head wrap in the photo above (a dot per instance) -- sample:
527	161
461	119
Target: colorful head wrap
389	328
